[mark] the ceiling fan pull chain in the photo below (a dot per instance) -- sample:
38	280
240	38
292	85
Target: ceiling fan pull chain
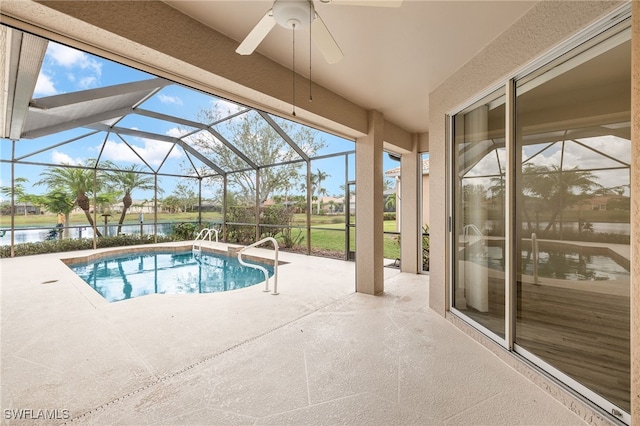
293	33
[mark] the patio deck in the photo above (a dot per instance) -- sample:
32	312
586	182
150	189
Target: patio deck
318	353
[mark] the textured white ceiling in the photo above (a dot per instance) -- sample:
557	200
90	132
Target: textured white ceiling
394	57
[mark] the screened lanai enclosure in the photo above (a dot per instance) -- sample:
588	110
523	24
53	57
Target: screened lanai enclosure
92	149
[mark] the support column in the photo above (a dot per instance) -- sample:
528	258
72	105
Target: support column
635	214
410	175
369	208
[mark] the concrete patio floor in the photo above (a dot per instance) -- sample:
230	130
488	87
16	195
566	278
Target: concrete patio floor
318	353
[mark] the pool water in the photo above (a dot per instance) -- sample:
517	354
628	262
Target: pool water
134	275
574	266
565	265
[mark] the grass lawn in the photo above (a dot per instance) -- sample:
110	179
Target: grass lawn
331	237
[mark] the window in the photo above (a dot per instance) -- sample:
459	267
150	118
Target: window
479	183
573	142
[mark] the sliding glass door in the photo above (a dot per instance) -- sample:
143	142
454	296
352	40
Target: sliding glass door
552	280
573	143
479	183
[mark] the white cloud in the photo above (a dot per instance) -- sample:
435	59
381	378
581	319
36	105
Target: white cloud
166	99
44	86
152	151
488	165
87	82
225	108
68	58
79	68
61	158
176	132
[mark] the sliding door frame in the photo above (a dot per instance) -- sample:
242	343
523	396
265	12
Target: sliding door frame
618	21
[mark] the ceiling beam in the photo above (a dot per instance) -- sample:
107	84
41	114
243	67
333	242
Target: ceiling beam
284	135
72	123
24	54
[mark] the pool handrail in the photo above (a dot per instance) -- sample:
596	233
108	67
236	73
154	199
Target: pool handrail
204	233
264	270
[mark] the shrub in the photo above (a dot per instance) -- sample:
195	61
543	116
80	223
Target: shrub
282	217
425	247
242	234
58	246
184	231
389	216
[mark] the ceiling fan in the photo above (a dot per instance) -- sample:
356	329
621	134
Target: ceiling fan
298	14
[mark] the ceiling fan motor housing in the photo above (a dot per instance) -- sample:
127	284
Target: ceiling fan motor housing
293	14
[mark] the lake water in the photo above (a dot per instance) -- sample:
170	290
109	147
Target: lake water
32	235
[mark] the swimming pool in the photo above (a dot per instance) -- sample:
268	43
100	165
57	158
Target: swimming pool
130	275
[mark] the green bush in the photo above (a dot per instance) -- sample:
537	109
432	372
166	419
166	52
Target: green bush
282	216
58	246
184	231
242	234
425	247
389	216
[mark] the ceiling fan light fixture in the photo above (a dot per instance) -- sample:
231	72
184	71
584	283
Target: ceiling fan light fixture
293	14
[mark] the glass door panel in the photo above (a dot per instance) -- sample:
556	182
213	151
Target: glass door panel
573	219
478	234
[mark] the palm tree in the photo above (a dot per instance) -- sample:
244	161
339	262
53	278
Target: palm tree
78	181
59	201
390	202
556	188
19	192
126	181
316	184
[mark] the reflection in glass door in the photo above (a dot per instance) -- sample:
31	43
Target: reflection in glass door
573	140
479	221
565	244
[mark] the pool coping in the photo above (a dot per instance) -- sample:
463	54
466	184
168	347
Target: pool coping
231	251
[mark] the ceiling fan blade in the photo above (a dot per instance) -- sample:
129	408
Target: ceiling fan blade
325	41
257	34
375	3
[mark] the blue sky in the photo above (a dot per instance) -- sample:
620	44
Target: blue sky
66	70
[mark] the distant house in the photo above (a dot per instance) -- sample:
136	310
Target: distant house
395	173
608	202
328	205
209	206
332	205
137	206
19	209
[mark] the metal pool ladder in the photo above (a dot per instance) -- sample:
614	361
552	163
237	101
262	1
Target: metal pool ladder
264	270
205	233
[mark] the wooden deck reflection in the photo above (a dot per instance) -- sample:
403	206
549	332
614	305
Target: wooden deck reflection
584	334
